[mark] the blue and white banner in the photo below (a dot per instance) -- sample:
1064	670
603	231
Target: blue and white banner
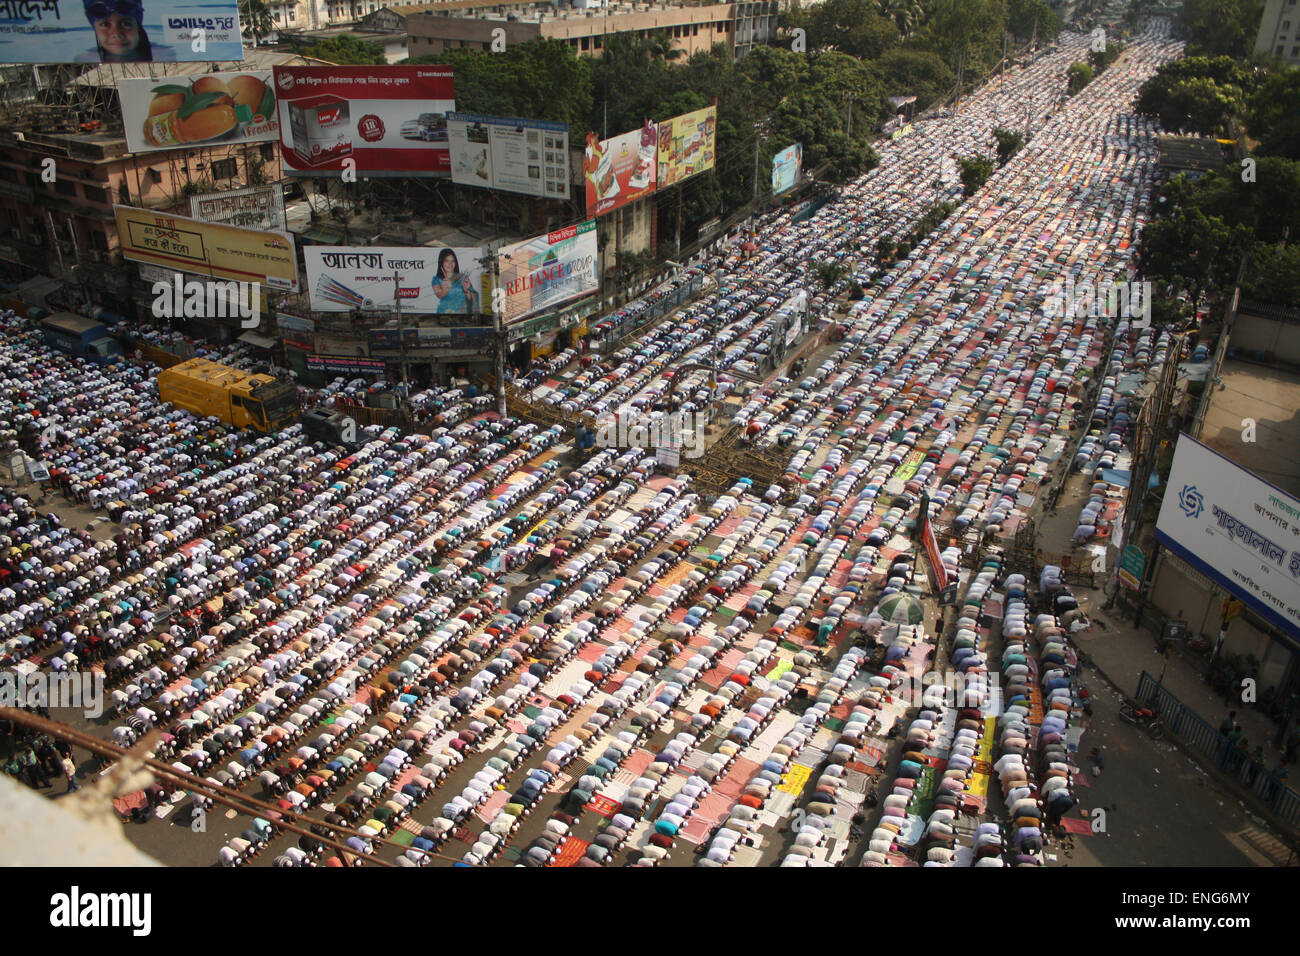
1236	529
119	31
786	167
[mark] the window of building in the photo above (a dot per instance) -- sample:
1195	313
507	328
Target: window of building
95	194
268	152
293	15
695	29
225	169
1278	51
98	240
65	187
1286	26
599	42
1295	51
586	43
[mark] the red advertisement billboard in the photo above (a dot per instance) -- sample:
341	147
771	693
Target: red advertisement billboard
367	120
620	170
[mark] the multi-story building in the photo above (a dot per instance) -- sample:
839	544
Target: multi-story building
292	15
383	28
1279	31
59	183
693	28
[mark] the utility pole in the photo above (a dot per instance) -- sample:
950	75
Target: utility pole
401	333
680	187
1155	411
498	333
756	145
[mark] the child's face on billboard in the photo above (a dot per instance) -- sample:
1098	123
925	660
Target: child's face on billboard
117	34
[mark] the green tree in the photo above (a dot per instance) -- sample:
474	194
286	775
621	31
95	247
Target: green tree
1100	59
1168	310
966	33
628	81
910	72
1009	143
1029	18
1200	94
255	20
855	27
1220	27
540	79
906	15
808	99
345	49
975	172
1192	252
1274	274
829	272
1199	105
1080	75
1273	114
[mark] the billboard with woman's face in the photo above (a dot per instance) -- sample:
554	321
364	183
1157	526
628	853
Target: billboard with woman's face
119	31
429	279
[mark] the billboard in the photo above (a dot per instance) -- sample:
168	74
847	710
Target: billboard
258	207
620	170
541	273
433	279
206	248
182	112
119	31
1235	528
786	167
345	363
296	330
688	144
374	120
514	155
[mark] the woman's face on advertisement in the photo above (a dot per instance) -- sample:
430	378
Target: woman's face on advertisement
449	265
117	34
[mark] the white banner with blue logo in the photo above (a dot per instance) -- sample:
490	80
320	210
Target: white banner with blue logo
1237	529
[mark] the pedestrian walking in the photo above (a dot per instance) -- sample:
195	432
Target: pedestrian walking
32	770
70	771
1254	764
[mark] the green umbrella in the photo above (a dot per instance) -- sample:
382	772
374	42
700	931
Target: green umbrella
901	609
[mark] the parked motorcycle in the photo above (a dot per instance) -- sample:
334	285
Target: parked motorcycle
1142	717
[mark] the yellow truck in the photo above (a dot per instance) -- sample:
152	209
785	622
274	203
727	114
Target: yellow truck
242	399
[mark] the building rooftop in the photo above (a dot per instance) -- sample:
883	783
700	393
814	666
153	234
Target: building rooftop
1269	396
522	12
1190	152
108	74
377	228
